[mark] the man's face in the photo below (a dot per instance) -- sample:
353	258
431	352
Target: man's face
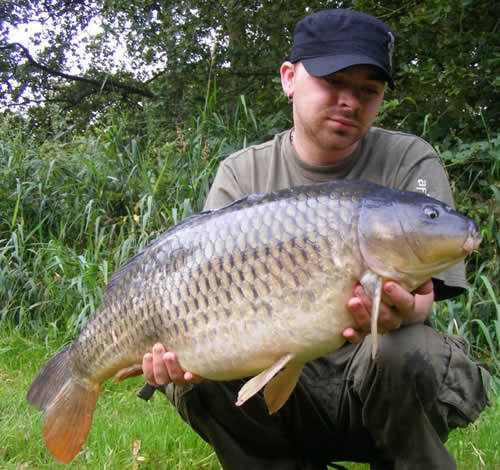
335	111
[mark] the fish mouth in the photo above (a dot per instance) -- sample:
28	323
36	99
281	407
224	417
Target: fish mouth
472	241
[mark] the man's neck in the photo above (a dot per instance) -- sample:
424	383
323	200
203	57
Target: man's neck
313	154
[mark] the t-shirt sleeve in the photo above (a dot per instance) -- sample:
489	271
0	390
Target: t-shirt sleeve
225	187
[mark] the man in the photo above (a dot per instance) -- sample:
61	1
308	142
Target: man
394	411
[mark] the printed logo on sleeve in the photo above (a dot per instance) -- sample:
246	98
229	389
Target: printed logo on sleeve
421	185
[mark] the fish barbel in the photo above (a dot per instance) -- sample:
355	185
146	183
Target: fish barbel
256	288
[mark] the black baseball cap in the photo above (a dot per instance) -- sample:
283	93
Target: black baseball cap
331	40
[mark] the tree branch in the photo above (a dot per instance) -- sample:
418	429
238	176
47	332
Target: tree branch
107	83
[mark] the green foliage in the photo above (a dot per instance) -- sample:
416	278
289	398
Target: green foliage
446	63
474	170
447	59
74	207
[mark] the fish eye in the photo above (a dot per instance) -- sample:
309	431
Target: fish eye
431	212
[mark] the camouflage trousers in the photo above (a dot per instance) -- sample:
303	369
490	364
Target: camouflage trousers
395	411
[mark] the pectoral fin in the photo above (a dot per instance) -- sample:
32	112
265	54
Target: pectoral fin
259	381
376	299
279	389
373	287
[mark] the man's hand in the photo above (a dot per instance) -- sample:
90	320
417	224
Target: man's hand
407	308
160	367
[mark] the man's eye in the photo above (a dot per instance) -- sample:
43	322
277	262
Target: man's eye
332	81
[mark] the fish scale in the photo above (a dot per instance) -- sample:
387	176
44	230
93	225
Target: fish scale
250	289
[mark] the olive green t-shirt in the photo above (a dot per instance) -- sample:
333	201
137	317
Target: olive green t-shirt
394	159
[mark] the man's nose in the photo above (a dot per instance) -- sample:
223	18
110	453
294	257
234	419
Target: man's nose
348	98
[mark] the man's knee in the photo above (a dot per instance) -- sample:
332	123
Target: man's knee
414	356
410	364
416	364
413	347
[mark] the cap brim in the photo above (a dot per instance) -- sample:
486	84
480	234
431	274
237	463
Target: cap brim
326	65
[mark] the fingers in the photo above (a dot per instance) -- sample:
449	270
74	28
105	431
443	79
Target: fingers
161	367
147	369
412	307
426	288
192	378
360	306
399	307
402	300
154	369
352	335
175	372
390	318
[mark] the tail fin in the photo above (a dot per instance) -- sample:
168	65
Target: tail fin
68	402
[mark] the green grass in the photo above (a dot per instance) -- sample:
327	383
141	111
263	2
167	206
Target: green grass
121	421
161	439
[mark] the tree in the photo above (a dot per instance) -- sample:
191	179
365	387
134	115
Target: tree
446	62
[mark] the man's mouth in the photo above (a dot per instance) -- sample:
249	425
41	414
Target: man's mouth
344	123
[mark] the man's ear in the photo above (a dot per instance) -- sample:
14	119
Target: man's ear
287	73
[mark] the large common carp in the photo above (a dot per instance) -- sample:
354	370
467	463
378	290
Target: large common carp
256	287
